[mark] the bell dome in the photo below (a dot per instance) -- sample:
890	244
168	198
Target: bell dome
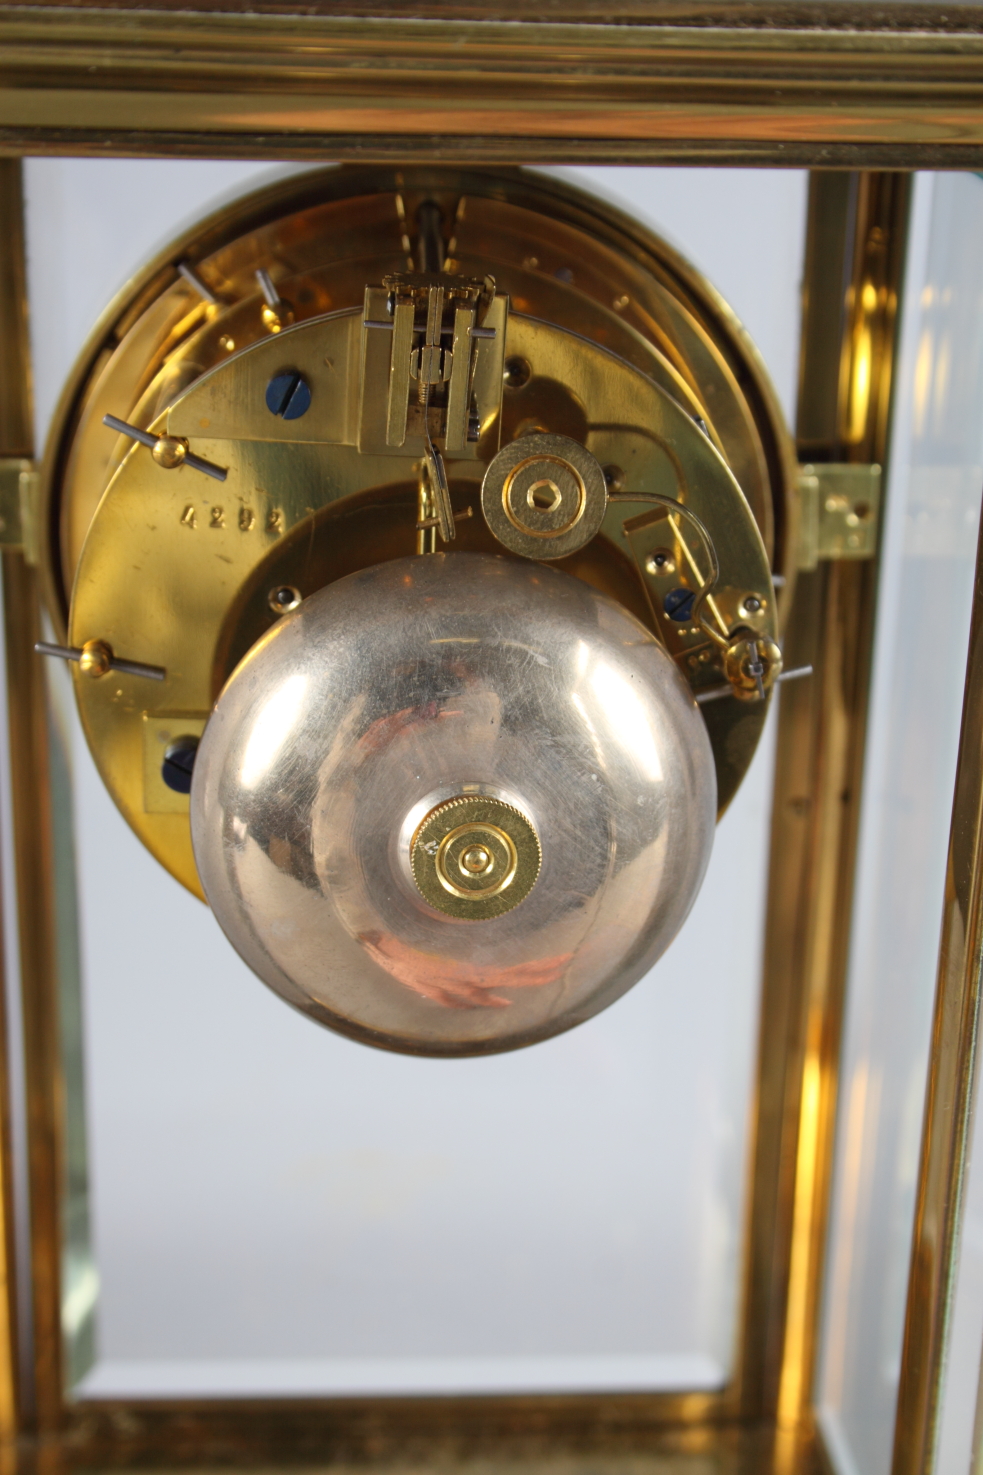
453	804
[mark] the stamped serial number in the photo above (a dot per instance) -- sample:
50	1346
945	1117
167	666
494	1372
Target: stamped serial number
248	520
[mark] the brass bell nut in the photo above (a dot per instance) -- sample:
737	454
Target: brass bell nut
475	857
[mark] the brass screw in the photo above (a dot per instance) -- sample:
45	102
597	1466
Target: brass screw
517	372
475	857
95	658
660	562
284	598
170	451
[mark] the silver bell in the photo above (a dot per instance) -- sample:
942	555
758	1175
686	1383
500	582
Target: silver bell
453	804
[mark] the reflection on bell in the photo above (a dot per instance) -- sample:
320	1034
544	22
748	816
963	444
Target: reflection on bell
454	804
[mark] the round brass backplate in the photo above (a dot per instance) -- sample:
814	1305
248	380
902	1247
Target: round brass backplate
614	351
565	256
544	496
475	857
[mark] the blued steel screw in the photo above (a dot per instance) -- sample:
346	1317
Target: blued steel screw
678	604
288	395
179	760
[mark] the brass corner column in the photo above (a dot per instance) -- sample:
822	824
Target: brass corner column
15	441
855	250
34	1407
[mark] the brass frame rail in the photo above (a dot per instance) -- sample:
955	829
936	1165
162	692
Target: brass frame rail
646	80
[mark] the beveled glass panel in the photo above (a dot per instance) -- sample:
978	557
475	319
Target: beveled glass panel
928	560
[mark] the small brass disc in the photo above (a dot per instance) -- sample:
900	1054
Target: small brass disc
544	496
475	857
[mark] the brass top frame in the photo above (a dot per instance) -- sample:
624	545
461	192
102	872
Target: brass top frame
827	84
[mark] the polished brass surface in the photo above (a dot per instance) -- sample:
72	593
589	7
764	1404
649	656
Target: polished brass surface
158	735
611	1434
409	371
18	483
382	777
544	496
332	230
162	540
847	85
855	240
475	856
38	1405
839	511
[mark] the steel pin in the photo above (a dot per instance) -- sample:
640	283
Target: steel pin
714	693
96	658
756	668
433	522
267	288
194	280
169	451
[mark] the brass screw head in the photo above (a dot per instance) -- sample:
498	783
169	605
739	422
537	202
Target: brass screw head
517	371
660	562
170	451
475	857
283	598
95	658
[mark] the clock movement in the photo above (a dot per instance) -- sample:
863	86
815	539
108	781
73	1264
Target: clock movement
421	539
